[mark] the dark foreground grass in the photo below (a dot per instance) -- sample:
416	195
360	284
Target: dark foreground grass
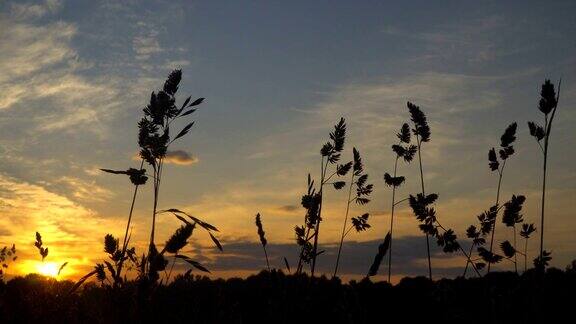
278	298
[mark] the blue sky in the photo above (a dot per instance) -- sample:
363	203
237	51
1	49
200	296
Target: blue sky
276	76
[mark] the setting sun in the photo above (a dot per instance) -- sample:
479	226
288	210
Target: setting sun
49	269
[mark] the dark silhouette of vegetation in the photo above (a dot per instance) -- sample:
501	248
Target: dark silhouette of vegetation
525	232
547	105
506	150
138	178
39	245
312	200
363	191
154	140
263	241
7	256
154	295
511	218
420	204
406	151
273	297
382	250
422	132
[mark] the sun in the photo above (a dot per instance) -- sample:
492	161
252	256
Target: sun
49	269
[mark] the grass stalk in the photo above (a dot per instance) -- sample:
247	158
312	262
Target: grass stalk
418	142
500	174
344	225
323	167
392	221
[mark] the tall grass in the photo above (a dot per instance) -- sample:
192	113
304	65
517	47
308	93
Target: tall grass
43	251
363	191
525	232
382	250
7	256
511	218
305	233
138	178
263	241
154	140
405	151
422	132
154	133
330	155
506	150
478	236
548	105
420	204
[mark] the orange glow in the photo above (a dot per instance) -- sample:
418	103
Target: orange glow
49	269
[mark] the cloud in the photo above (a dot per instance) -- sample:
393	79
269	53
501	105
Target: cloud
146	45
376	109
84	191
42	79
474	41
288	208
24	11
180	157
177	64
71	231
357	257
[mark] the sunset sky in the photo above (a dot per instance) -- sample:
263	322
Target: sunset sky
75	75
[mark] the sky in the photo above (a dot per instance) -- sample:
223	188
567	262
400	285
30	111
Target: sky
276	77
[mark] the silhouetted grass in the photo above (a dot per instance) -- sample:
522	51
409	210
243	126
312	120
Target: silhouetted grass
506	150
263	241
422	132
7	256
312	201
272	297
406	151
421	203
363	191
548	105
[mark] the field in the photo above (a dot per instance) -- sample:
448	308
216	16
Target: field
272	297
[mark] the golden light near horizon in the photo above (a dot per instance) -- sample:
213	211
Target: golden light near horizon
48	269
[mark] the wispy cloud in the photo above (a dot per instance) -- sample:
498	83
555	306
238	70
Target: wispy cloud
34	10
41	68
70	230
146	45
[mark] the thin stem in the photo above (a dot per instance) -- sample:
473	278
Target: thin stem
125	241
461	250
392	221
468	261
349	229
299	267
501	173
323	167
344	225
543	197
424	194
266	255
525	254
401	201
171	268
515	254
546	141
158	176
